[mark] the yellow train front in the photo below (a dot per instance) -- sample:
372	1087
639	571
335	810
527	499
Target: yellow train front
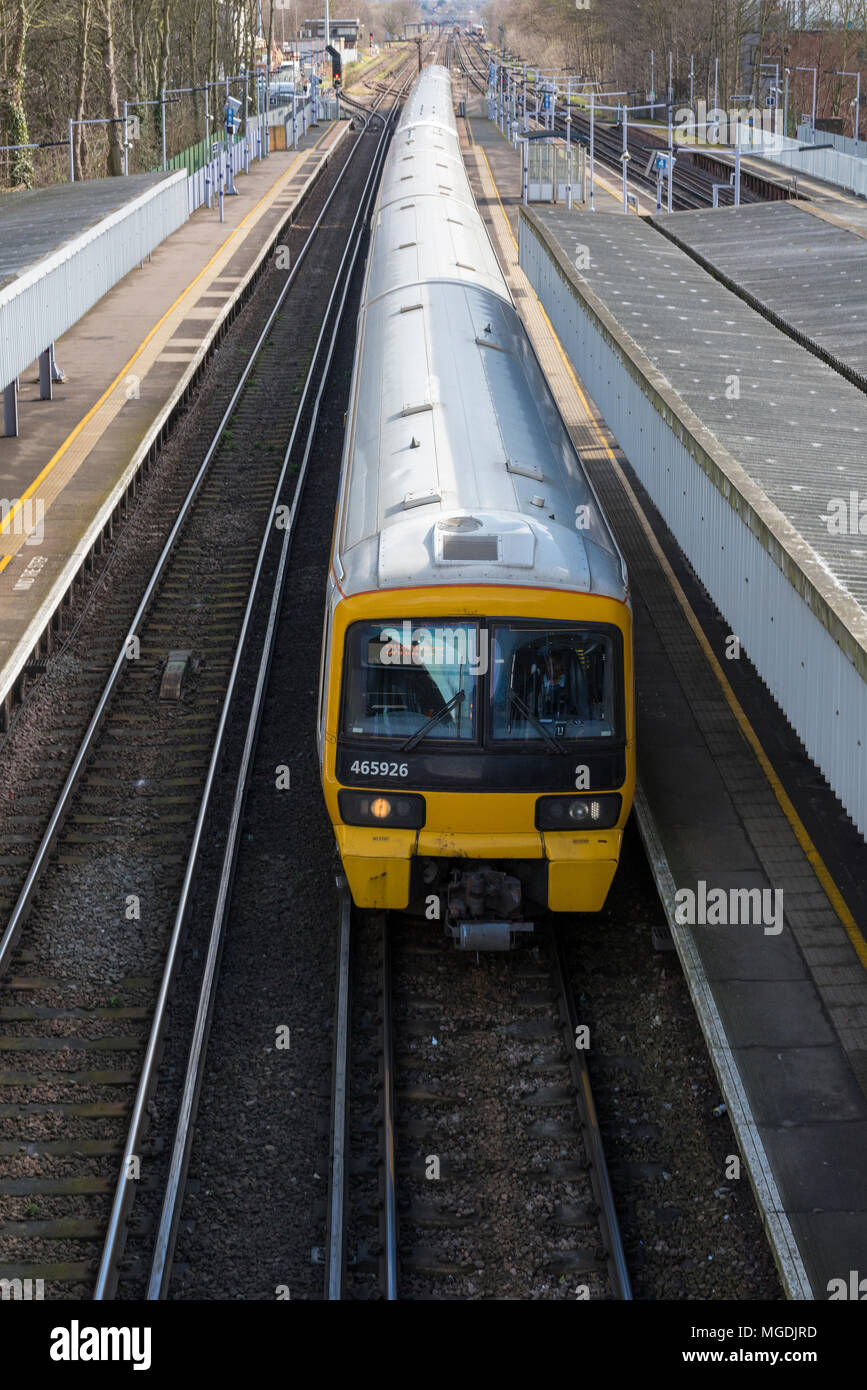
476	721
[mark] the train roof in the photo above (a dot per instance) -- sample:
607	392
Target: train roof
458	468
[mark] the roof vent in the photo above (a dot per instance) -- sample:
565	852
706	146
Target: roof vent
462	540
415	443
460	549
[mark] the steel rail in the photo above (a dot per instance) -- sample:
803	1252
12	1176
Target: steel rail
336	1254
389	1170
592	1135
122	1193
170	1214
25	897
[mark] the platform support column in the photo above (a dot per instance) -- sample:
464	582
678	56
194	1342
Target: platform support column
45	386
10	410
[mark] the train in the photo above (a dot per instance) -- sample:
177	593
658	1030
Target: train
476	720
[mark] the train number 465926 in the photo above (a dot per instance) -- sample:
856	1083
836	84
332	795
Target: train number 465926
374	769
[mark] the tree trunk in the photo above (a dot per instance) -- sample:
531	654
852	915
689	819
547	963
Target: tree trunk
165	26
115	132
14	119
81	85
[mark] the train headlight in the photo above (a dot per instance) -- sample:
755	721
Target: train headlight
403	811
572	812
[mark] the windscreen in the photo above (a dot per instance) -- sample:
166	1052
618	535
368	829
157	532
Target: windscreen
560	681
401	677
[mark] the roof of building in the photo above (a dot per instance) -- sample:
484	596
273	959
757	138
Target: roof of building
62	248
793	423
807	272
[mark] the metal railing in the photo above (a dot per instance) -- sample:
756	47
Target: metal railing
846	170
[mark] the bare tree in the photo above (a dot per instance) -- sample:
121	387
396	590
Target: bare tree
115	134
14	116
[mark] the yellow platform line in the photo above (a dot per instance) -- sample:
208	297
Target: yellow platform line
812	855
74	433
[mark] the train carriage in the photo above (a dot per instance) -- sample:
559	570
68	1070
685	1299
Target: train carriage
476	718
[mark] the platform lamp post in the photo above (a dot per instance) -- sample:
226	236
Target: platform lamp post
652	90
670	157
856	103
624	158
569	144
692	84
592	94
815	72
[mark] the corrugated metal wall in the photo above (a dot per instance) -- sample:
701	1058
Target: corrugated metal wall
815	684
40	305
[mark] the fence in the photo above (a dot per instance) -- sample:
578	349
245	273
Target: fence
830	165
844	144
211	179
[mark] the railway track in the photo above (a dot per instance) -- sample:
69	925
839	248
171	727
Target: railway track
96	930
693	180
467	1160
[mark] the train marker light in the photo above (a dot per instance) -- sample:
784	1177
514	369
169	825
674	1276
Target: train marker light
569	812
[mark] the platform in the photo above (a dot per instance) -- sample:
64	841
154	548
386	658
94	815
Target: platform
752	473
727	797
802	183
130	363
62	248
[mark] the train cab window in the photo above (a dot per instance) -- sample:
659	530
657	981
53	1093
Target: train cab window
559	683
411	682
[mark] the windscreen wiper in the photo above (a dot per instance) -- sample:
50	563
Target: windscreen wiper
434	719
514	698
